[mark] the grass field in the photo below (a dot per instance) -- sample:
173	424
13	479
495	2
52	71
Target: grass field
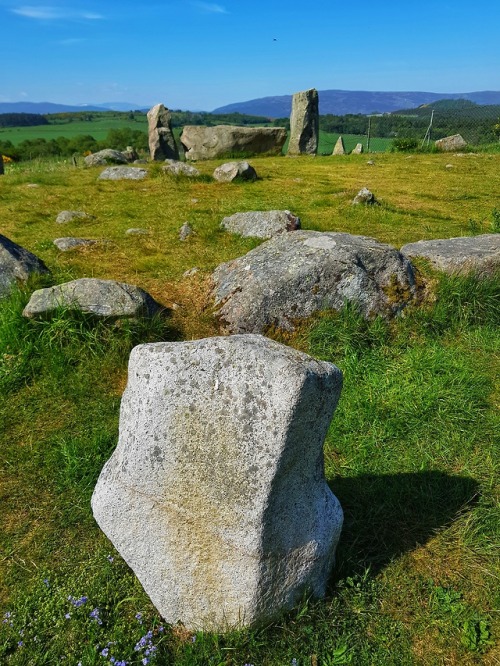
412	452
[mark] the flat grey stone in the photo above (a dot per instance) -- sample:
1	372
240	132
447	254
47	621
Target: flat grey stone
180	169
106	156
17	265
72	215
102	298
70	243
215	495
468	254
207	143
261	223
123	173
226	173
137	232
296	274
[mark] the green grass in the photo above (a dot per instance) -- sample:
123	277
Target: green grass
412	452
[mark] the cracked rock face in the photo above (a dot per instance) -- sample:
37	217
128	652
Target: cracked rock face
294	275
215	495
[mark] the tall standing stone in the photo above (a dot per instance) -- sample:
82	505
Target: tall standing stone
304	123
339	148
162	144
216	495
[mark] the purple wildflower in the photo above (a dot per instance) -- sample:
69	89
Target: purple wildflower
68	616
78	602
94	614
105	652
46	582
138	617
20	644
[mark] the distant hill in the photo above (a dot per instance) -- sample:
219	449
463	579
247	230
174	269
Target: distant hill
341	102
48	107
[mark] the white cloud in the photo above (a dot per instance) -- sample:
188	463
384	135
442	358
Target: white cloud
210	8
54	13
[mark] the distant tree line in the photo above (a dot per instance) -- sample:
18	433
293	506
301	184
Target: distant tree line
22	119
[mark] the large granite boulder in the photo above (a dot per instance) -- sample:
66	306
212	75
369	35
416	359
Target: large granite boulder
297	274
123	173
229	171
451	143
177	168
101	298
161	139
304	123
261	223
469	254
106	156
206	143
215	495
17	265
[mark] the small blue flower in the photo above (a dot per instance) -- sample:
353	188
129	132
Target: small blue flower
46	582
110	558
94	614
294	662
68	616
138	617
145	661
105	652
20	644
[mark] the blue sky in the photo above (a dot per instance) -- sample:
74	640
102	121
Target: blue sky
196	55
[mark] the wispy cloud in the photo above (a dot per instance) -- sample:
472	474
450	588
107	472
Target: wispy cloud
210	8
55	13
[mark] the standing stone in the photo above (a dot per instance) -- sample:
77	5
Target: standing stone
162	144
304	123
339	148
358	149
215	495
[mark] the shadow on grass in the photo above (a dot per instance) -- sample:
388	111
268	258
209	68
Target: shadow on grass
390	514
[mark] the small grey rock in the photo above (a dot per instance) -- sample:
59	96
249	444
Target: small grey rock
261	224
185	231
72	215
364	196
123	173
70	243
102	298
226	173
371	162
190	272
178	168
17	265
137	232
468	254
106	156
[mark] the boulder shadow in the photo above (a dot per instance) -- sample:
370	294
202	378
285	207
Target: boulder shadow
388	515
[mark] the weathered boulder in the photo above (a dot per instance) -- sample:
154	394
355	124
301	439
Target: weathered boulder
304	123
71	243
161	139
364	196
261	223
178	168
215	495
358	149
106	156
123	173
206	143
339	148
471	254
102	298
17	265
297	274
451	143
229	171
72	215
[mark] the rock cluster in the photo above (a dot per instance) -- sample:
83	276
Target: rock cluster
215	495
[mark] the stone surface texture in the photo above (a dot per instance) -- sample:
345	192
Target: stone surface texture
71	243
161	139
261	223
206	143
17	265
364	196
102	298
178	168
471	254
229	171
339	148
106	156
451	143
299	273
185	231
72	215
304	123
215	495
123	173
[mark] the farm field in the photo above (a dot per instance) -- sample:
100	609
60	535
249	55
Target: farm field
412	452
